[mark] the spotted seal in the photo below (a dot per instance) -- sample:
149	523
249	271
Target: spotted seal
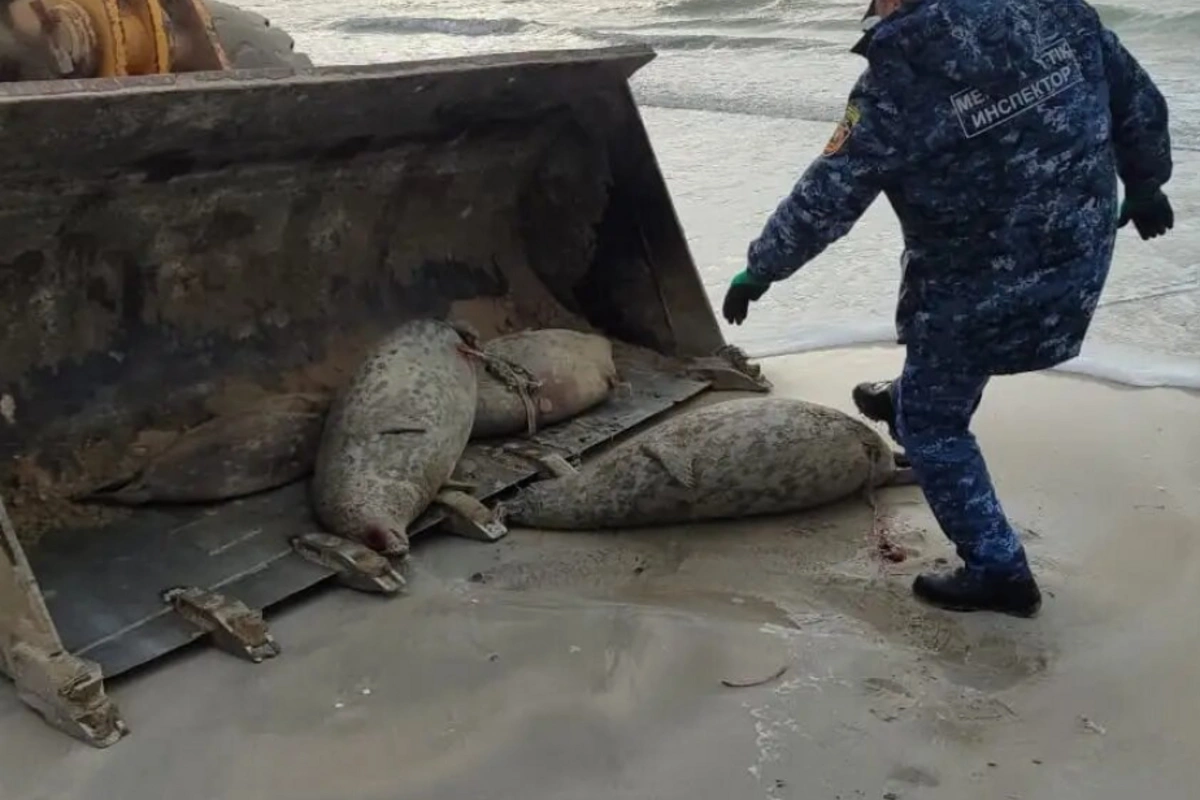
738	458
228	456
562	373
394	434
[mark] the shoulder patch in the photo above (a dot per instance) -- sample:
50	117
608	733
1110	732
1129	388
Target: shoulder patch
844	128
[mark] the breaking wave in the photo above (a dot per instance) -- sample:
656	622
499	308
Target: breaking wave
779	8
841	15
444	25
1107	362
760	22
714	8
645	34
701	41
715	28
1179	23
696	99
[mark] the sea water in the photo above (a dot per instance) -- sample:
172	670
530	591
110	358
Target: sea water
745	93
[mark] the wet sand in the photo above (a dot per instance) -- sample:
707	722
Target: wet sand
580	666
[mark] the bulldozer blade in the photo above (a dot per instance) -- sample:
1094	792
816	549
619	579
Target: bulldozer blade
225	235
67	691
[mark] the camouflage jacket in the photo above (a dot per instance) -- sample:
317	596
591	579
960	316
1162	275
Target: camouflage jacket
997	130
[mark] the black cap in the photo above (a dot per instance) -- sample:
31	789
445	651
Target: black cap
869	21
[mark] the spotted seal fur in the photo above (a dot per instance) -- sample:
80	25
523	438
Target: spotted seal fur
394	434
738	458
567	372
231	455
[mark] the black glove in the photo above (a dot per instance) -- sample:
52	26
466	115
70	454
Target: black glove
743	290
1151	214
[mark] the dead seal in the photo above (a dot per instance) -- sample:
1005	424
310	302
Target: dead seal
738	458
229	456
559	374
394	434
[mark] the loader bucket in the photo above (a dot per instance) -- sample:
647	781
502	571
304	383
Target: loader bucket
213	236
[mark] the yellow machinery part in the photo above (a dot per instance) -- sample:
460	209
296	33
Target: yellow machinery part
109	49
116	38
132	36
147	43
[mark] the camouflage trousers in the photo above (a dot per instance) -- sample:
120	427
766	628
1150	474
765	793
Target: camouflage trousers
933	417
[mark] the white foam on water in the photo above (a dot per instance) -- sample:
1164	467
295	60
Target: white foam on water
1134	367
1109	362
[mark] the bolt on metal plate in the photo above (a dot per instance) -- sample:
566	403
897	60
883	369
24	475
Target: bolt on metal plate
355	565
234	627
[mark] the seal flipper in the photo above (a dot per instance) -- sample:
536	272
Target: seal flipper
677	463
469	518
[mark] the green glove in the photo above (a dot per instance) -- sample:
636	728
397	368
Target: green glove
743	290
1150	213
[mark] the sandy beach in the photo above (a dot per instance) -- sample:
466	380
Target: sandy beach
558	666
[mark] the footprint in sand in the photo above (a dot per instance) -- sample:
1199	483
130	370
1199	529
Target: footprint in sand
987	651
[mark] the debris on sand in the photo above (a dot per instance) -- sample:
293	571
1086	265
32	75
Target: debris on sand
39	495
883	542
734	684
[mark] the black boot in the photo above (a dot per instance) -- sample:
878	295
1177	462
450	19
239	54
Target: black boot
874	401
969	590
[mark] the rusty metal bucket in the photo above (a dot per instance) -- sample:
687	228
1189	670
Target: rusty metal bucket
170	244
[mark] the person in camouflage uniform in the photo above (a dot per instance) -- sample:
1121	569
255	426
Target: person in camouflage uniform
997	130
